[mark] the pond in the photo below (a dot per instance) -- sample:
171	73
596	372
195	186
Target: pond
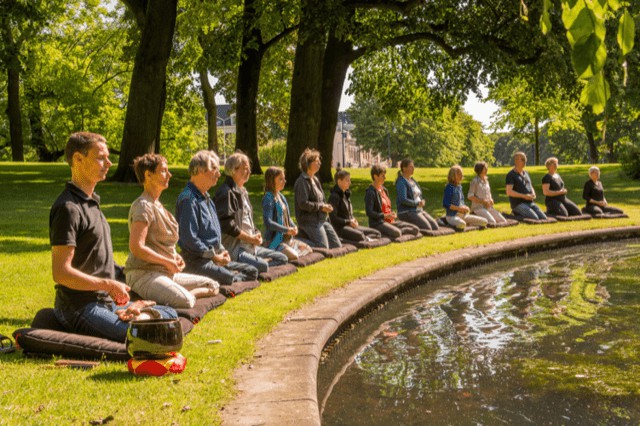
552	338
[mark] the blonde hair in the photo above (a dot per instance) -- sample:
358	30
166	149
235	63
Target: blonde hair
551	160
234	161
521	155
453	174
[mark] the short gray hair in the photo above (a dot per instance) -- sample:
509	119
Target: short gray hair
203	161
594	169
234	161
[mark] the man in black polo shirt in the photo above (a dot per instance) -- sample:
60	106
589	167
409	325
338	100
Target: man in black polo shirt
520	191
88	299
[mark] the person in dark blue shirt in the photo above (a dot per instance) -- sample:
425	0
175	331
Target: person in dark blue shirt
200	235
520	190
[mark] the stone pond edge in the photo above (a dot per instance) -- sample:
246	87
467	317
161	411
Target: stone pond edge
279	386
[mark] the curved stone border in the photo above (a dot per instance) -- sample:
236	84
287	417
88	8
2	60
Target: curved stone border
280	386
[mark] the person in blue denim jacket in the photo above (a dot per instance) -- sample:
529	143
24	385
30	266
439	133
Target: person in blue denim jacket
200	235
279	228
409	199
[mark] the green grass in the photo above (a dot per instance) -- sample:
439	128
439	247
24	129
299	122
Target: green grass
34	392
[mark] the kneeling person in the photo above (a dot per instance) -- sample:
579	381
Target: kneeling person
154	268
342	219
88	298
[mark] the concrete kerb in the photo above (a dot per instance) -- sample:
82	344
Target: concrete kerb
280	386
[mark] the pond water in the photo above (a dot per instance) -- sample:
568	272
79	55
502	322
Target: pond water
553	338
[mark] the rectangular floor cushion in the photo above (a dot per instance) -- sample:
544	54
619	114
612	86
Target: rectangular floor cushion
46	337
530	221
406	237
570	218
378	242
202	307
277	272
607	215
443	230
238	287
308	259
506	223
336	252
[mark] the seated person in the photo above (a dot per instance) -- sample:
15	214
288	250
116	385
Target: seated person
378	208
154	268
457	213
239	233
520	190
409	199
480	195
553	188
88	298
341	217
593	194
280	230
311	210
199	233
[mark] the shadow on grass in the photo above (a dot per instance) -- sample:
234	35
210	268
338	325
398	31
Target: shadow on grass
15	322
113	376
15	245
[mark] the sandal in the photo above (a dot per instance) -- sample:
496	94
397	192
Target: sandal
6	345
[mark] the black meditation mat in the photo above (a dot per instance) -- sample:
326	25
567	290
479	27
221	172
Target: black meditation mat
46	337
507	223
379	242
308	259
336	252
570	218
529	221
277	272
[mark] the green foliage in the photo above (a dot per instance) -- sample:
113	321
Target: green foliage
630	158
435	140
273	153
585	22
207	383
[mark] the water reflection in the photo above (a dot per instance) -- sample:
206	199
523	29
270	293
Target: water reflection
476	348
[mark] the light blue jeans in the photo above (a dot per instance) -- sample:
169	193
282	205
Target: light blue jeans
263	258
529	210
99	319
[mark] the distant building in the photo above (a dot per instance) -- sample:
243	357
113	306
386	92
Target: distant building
346	151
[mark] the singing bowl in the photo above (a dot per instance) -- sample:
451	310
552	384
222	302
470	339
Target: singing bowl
154	338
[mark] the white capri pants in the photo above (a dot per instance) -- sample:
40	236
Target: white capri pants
176	292
492	215
461	221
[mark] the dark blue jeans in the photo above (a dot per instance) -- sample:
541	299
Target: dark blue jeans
99	319
225	275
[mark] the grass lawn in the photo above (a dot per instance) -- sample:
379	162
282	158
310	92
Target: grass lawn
35	392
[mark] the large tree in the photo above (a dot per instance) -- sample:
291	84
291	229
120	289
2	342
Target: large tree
147	92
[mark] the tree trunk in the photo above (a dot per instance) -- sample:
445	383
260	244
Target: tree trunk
337	57
37	132
537	142
209	100
306	93
248	83
589	127
145	106
14	113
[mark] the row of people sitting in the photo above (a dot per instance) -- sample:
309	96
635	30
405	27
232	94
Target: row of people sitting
219	241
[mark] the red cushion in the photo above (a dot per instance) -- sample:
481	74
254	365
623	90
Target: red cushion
157	367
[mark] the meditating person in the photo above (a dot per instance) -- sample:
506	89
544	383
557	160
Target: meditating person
88	299
342	219
280	229
555	193
457	213
154	268
409	199
239	234
480	195
520	190
593	194
311	209
199	232
378	208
